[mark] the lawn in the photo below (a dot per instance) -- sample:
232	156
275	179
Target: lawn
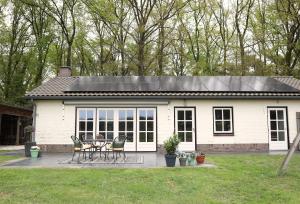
249	178
7	158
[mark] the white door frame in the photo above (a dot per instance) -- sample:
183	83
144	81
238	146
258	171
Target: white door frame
186	146
276	144
146	146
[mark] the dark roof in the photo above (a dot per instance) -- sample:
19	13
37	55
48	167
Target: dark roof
15	110
167	87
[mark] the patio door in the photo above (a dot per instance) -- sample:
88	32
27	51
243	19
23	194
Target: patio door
277	124
185	128
146	126
113	122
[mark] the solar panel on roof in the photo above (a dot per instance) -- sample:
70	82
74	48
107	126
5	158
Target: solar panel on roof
179	84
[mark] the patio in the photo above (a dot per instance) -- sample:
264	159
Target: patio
63	160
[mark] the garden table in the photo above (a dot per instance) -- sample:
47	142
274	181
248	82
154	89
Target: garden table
102	143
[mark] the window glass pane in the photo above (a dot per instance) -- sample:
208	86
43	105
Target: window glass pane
272	114
122	115
142	114
150	115
181	136
82	126
89	136
188	126
149	126
280	125
150	137
110	115
129	126
142	126
110	126
273	136
273	125
188	115
121	126
281	136
219	126
110	135
82	115
130	115
280	115
81	136
101	126
227	126
102	115
129	137
218	114
180	115
180	126
188	137
142	137
103	134
226	114
90	115
89	126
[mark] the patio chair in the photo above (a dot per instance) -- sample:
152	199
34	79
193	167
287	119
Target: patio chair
79	147
98	145
116	147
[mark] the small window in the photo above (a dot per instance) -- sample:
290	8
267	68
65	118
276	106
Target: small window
223	124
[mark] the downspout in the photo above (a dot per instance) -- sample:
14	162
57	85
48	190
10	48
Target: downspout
33	121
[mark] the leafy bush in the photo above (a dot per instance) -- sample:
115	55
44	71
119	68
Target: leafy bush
171	144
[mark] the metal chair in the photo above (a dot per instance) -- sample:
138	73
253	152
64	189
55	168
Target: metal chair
117	146
79	147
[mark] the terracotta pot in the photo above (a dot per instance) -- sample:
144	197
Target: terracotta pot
200	159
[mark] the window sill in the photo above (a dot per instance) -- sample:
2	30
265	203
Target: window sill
223	134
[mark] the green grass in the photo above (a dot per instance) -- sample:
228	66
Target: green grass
249	178
4	158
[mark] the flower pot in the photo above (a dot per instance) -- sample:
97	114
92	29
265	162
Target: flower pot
182	161
34	153
191	161
200	159
170	160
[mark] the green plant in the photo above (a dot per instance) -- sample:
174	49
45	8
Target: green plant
171	144
181	155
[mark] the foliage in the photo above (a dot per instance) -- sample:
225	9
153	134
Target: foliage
171	144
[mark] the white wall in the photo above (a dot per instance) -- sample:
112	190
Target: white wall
55	122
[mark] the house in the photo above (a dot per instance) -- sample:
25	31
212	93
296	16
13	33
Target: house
209	113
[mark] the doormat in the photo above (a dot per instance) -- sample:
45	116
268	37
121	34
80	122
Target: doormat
131	159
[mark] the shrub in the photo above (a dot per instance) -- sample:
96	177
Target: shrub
171	144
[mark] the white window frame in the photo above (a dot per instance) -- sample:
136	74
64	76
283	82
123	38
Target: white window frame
222	120
85	120
106	121
146	131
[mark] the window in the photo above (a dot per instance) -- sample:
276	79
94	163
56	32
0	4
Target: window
223	120
86	123
146	125
106	123
126	122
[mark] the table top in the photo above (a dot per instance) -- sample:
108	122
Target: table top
98	140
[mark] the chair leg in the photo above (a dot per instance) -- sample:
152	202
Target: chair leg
78	157
73	155
124	155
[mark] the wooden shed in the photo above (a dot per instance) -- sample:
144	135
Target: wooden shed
12	122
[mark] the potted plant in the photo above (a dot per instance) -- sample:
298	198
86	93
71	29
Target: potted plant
182	158
191	159
34	151
170	146
200	158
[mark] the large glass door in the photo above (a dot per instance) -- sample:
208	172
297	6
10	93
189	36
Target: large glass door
85	126
146	126
185	128
277	129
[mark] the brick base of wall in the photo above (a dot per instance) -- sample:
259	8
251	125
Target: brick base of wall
160	149
233	147
56	147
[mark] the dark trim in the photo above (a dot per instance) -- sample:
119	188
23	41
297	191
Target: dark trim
195	124
160	97
232	118
116	107
287	124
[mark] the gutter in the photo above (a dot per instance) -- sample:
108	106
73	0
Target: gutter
158	97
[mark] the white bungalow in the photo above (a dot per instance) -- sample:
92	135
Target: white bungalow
209	113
